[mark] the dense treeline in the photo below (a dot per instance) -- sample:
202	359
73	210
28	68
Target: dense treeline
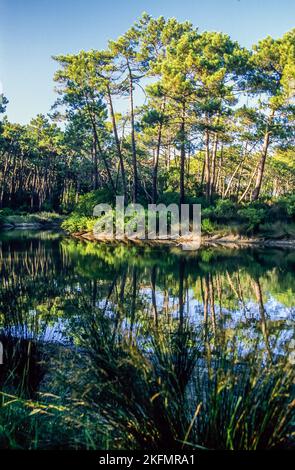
217	121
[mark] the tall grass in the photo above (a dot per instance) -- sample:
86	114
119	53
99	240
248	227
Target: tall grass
165	390
161	387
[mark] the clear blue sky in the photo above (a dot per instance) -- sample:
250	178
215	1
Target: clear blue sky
32	31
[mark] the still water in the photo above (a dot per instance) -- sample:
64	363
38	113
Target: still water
47	279
60	295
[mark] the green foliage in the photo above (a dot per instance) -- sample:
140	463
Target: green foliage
42	218
225	209
6	211
78	223
46	423
208	226
169	197
287	203
135	376
223	216
277	230
88	201
193	136
252	216
272	219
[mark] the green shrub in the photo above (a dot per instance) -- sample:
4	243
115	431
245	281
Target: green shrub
287	204
6	211
208	213
208	226
47	206
277	230
225	209
252	216
277	212
78	223
290	203
169	197
89	200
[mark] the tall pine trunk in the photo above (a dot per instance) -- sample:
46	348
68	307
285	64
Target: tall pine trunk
207	164
133	144
156	159
261	165
182	156
213	167
117	141
95	163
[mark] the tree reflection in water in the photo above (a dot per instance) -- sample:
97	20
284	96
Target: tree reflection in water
147	348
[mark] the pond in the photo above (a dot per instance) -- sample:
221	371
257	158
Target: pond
96	325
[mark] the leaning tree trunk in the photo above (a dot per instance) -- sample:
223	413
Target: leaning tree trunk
213	167
97	148
95	163
207	164
117	141
156	159
133	144
261	165
106	166
182	156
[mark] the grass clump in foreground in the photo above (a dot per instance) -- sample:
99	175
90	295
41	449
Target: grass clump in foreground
162	387
177	396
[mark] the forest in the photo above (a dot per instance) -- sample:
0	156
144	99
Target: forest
214	124
141	345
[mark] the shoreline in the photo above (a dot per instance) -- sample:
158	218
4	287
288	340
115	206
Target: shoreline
34	221
229	241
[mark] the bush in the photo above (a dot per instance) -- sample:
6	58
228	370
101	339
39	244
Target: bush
287	204
225	209
6	211
208	213
252	216
47	206
277	230
168	197
208	226
290	204
89	200
78	223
